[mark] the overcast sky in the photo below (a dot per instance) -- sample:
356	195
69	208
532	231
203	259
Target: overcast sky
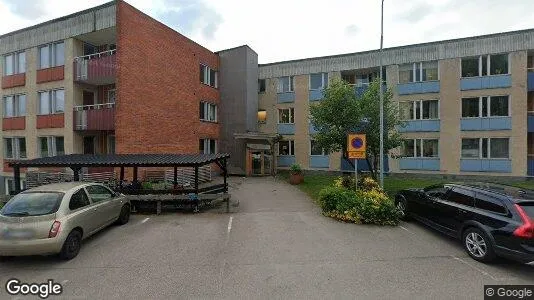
290	29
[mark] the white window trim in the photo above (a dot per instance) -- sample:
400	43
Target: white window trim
16	62
414	107
205	117
291	85
322	149
414	72
488	107
207	76
489	148
51	144
420	142
6	184
16	106
291	144
291	114
16	147
207	143
108	94
488	63
52	49
51	102
324	81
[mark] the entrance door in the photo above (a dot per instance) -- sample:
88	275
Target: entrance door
261	162
88	98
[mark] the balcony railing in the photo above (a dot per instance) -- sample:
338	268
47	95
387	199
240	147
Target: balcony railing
94	117
97	69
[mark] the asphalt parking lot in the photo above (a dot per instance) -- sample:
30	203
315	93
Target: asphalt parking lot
276	244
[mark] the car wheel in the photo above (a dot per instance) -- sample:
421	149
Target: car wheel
401	205
478	245
72	245
124	216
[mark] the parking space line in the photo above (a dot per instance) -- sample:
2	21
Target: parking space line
406	229
475	268
144	221
230	224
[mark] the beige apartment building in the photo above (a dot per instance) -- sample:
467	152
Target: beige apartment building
466	104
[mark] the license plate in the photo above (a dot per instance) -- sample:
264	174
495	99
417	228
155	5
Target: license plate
17	234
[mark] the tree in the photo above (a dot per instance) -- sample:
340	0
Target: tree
341	112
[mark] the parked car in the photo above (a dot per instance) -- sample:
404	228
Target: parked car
490	219
55	218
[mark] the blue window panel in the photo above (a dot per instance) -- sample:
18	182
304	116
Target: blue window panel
286	128
285	160
315	95
530	80
420	125
530	167
418	87
530	123
486	82
486	165
319	161
312	129
428	164
359	90
362	165
286	97
491	123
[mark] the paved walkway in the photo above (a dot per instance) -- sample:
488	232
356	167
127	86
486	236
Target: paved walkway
276	245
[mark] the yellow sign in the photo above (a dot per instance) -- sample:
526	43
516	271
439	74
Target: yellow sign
356	146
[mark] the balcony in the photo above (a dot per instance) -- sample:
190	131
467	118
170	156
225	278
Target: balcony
486	82
319	161
420	126
418	87
486	165
288	128
315	95
530	80
488	123
530	122
530	165
96	69
285	160
286	97
94	117
419	163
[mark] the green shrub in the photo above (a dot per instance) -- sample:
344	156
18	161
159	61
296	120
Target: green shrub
147	185
331	196
295	169
374	207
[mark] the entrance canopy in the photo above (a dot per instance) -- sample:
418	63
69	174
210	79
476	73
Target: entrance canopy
78	161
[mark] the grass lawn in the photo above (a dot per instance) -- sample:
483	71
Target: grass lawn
313	183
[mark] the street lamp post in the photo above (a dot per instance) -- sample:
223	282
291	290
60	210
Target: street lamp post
381	99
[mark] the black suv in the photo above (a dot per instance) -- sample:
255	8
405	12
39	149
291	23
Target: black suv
490	219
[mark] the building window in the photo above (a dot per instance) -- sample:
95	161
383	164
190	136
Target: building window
51	146
208	112
420	148
286	148
261	86
208	76
112	94
318	81
481	107
111	144
52	55
14	106
286	84
485	65
262	116
417	72
15	63
315	149
14	148
286	116
208	146
51	102
419	110
485	148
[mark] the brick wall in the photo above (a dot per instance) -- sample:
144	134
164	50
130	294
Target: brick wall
158	87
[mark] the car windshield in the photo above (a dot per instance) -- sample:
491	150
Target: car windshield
32	204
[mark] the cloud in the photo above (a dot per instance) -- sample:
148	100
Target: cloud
416	13
27	11
189	16
351	30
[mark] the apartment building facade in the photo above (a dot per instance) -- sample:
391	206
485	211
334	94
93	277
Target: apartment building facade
113	80
466	105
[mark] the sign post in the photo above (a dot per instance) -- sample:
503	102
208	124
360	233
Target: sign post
356	148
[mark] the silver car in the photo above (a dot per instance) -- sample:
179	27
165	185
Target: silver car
55	218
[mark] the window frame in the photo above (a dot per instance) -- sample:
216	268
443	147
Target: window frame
324	153
417	67
15	144
415	112
324	81
291	84
260	85
16	106
205	105
86	197
52	102
291	115
51	142
207	76
487	57
52	55
291	148
418	148
15	61
488	148
206	146
481	109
